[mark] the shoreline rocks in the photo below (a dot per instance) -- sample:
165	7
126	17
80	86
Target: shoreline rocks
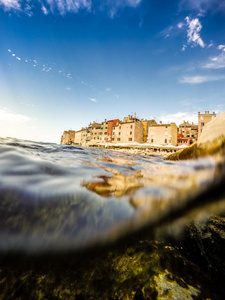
211	142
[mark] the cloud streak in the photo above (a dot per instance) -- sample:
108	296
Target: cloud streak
216	62
67	6
10	4
202	6
92	99
201	79
8	116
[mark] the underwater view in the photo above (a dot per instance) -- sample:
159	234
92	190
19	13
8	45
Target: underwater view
84	223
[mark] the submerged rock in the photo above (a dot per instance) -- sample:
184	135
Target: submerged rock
211	141
137	270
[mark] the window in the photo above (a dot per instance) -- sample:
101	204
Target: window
118	139
131	126
130	132
112	139
130	139
119	133
165	140
119	127
105	133
152	140
108	133
202	124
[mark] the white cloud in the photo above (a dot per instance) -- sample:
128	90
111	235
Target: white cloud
8	116
184	47
44	9
202	6
10	4
18	58
93	99
9	50
112	13
201	79
180	25
67	6
64	6
179	117
194	28
211	44
221	47
217	62
13	54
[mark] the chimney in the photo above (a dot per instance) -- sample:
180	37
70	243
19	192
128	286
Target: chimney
135	115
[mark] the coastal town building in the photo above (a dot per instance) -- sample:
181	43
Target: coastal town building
188	130
68	137
133	130
128	131
77	140
203	119
183	141
111	124
146	124
162	134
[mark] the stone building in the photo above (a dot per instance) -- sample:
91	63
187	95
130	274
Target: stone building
128	131
111	124
100	132
146	124
162	134
203	119
188	130
183	141
77	140
68	137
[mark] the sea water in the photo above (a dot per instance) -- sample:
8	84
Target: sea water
159	224
59	197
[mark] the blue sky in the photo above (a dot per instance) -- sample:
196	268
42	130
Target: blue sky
65	63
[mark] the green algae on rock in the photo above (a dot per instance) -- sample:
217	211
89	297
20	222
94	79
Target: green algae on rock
138	270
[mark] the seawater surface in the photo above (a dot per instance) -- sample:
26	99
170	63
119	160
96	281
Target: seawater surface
60	198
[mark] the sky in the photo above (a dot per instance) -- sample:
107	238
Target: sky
66	63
